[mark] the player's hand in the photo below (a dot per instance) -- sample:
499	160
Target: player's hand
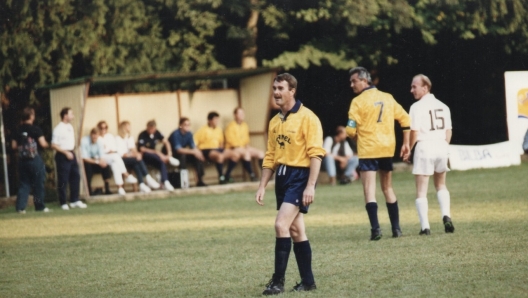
308	195
405	151
259	196
102	163
69	155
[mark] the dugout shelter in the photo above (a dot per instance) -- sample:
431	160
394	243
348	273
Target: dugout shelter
247	88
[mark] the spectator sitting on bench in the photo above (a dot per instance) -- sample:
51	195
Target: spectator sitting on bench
237	139
126	148
92	151
210	139
147	141
340	154
113	158
183	148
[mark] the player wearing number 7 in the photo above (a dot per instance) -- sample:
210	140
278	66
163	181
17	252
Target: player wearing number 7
371	119
431	132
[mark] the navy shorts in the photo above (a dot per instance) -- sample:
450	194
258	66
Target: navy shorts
290	183
206	152
374	164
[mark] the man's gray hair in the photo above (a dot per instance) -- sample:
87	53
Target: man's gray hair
362	73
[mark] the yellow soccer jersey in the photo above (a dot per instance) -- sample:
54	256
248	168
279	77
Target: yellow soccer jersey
209	138
236	135
371	117
294	140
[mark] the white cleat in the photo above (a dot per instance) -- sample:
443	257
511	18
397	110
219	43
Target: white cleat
121	191
78	204
144	188
131	179
168	186
151	182
65	207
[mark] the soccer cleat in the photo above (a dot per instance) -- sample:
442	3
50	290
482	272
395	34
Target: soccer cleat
222	180
131	179
375	234
426	232
45	210
396	233
201	184
301	287
78	204
448	224
65	207
274	287
168	186
21	211
151	182
121	191
144	188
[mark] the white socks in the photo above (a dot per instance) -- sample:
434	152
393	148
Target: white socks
423	207
444	199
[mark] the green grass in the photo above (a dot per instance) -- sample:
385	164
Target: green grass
222	245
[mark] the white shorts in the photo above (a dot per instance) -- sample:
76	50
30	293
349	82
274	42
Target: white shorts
430	157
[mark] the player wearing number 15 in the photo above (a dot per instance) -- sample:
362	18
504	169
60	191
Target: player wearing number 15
431	131
371	120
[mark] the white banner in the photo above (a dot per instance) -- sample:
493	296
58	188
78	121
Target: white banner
484	156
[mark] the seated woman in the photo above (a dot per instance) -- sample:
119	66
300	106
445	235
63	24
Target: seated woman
126	148
113	158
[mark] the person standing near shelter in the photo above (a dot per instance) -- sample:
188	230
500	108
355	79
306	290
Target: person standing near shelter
63	142
431	131
294	153
237	139
183	148
31	169
371	120
147	141
340	154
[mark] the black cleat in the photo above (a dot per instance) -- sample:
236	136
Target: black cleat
201	184
375	234
448	224
274	287
222	180
396	233
301	287
426	232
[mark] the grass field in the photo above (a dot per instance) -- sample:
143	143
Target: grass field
222	245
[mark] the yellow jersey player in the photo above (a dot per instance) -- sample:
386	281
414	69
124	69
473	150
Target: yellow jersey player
237	140
371	120
294	153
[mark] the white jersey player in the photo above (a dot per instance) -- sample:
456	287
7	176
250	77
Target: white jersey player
431	132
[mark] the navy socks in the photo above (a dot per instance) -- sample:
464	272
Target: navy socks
303	255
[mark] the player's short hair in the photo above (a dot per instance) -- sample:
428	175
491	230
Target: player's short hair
101	123
151	123
292	81
183	119
27	113
425	80
212	115
94	131
121	128
64	112
236	110
362	73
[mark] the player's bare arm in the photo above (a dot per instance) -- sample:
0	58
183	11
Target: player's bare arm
266	176
309	191
405	149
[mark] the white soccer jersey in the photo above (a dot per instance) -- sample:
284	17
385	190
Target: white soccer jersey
431	118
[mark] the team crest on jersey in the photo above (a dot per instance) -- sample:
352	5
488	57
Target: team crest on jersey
282	140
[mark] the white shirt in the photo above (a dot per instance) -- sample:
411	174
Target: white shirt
124	145
109	142
63	136
327	145
431	118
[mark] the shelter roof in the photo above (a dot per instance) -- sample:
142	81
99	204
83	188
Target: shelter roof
164	76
